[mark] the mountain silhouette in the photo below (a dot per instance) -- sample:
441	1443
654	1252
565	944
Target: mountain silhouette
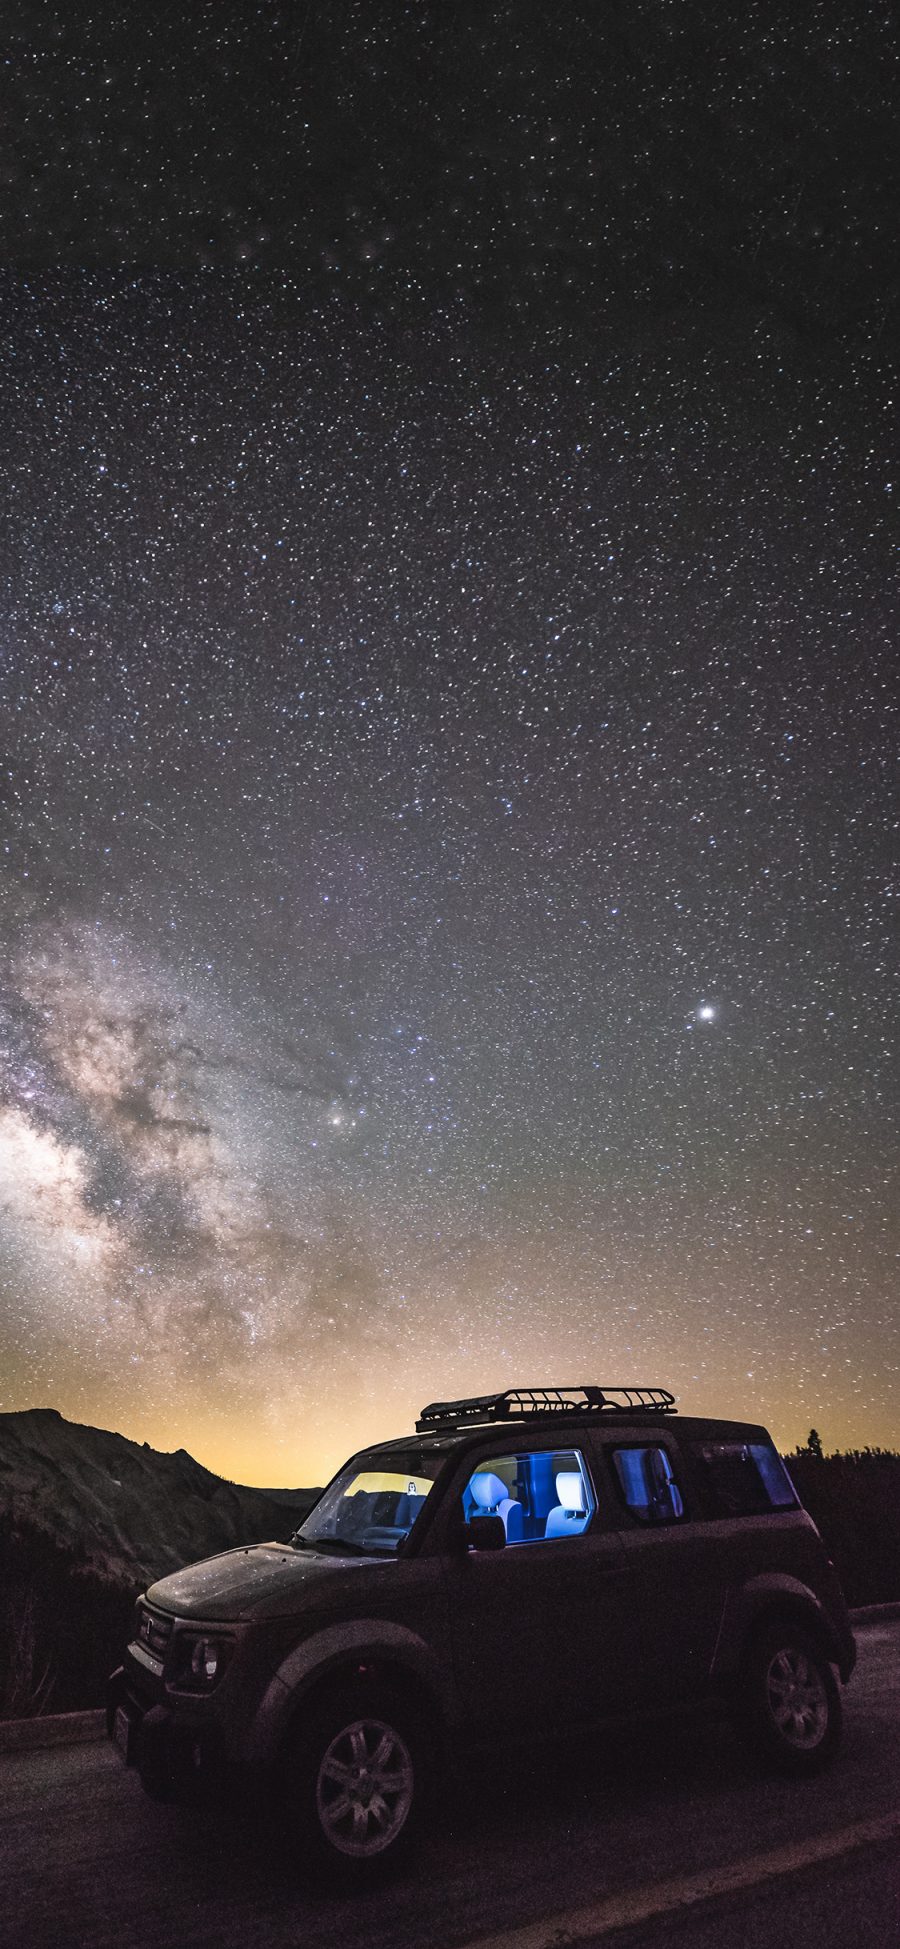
87	1520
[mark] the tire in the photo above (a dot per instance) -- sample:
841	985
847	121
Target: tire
789	1702
354	1786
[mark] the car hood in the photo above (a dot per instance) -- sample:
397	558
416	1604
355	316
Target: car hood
265	1579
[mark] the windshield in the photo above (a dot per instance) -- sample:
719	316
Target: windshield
371	1506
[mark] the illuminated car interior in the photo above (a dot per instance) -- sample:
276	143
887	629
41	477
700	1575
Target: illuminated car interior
539	1495
371	1507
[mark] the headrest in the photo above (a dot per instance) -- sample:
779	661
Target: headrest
570	1490
488	1489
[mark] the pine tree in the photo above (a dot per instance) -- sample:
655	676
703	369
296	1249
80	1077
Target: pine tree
814	1445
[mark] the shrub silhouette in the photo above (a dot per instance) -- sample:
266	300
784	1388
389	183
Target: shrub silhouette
854	1499
62	1628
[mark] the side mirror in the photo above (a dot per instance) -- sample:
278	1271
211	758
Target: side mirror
485	1533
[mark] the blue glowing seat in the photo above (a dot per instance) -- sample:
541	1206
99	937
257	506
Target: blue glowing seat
570	1516
491	1498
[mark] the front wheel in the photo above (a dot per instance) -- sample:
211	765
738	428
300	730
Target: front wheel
789	1701
354	1783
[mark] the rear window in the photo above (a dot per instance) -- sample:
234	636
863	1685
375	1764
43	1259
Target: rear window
744	1478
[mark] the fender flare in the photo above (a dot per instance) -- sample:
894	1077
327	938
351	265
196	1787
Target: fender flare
765	1595
323	1654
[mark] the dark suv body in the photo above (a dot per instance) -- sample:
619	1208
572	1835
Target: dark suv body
521	1565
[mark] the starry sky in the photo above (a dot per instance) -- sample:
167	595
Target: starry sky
449	688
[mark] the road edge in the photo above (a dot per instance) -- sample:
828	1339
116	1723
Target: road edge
52	1729
630	1908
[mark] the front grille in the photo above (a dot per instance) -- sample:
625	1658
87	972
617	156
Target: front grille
153	1630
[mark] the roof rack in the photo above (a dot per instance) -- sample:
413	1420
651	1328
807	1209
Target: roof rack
521	1403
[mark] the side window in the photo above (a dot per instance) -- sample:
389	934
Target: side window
540	1495
745	1478
647	1484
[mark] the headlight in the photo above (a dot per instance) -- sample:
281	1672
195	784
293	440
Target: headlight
198	1661
205	1660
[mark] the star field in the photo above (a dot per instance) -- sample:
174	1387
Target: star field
449	811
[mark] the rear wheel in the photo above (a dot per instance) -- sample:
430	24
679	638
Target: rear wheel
355	1786
790	1702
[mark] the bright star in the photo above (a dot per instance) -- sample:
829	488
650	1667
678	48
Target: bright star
706	1012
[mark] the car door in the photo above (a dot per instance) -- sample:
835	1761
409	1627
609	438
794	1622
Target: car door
679	1578
540	1628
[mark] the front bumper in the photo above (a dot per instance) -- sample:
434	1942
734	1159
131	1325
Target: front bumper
174	1760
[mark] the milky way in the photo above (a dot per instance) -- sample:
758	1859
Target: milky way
450	696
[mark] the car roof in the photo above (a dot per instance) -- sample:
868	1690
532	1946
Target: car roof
613	1427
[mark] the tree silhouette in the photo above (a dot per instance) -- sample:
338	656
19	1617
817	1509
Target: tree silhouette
814	1445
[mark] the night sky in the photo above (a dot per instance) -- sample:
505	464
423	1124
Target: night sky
450	688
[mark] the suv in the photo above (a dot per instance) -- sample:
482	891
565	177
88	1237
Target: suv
523	1564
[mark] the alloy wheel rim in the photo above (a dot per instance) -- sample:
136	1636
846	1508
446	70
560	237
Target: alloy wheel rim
797	1697
364	1787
